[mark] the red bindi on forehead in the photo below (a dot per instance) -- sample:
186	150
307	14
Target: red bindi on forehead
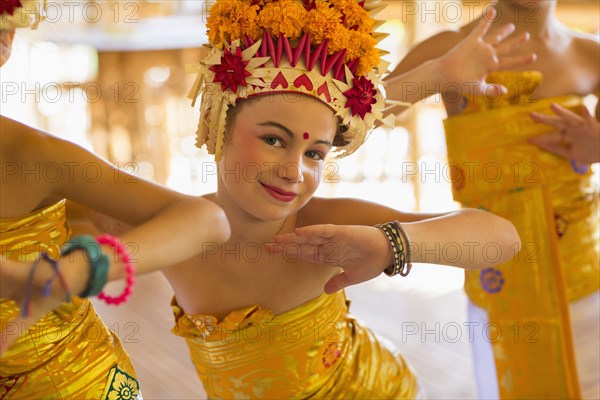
306	136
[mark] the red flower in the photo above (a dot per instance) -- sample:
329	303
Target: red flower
361	97
232	70
9	6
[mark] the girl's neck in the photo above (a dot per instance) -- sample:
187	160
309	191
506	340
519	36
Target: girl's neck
247	228
537	18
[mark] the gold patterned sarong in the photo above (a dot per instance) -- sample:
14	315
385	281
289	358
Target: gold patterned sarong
316	351
69	353
555	212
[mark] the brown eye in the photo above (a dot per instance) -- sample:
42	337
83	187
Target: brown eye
315	155
273	141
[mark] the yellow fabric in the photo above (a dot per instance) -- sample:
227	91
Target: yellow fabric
555	212
69	353
313	351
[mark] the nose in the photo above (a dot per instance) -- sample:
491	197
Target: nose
291	171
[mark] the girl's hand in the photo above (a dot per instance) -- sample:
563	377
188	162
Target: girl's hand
574	137
481	53
362	252
15	285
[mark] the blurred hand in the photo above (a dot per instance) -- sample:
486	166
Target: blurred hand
363	252
480	53
574	137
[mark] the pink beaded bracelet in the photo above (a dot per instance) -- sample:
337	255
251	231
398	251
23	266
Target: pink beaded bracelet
129	269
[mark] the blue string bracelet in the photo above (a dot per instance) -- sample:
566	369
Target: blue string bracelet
26	303
57	273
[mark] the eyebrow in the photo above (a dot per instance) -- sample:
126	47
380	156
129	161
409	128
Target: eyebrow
290	133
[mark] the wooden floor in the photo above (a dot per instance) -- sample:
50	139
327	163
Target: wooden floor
423	315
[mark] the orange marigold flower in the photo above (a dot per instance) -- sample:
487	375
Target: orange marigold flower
283	16
363	47
354	16
354	44
367	62
232	19
260	3
338	39
322	21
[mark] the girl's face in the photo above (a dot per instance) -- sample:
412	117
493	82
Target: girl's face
273	157
6	40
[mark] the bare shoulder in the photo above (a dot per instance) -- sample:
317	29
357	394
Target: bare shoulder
588	46
587	53
18	141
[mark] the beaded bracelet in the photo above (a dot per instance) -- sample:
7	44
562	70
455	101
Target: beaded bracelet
129	269
407	247
98	262
394	239
400	244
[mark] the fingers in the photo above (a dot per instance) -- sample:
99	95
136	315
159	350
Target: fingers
513	43
562	120
567	115
484	25
306	244
289	238
511	62
552	142
498	36
552	120
325	254
497	40
313	234
338	282
322	231
587	116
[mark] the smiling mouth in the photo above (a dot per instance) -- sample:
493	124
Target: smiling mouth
278	193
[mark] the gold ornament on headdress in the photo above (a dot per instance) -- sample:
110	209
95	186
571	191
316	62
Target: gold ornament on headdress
320	48
21	13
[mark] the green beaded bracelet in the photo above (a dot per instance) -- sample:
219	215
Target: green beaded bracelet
98	261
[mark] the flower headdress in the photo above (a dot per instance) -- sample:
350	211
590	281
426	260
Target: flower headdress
21	13
321	48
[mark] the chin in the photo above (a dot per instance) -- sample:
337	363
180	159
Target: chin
268	211
265	209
